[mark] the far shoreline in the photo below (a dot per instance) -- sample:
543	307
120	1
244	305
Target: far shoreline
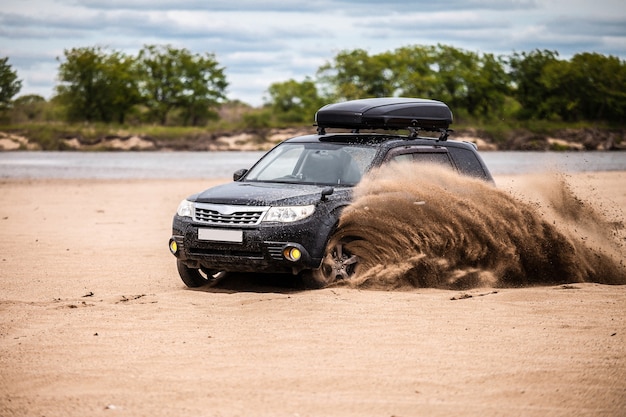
581	139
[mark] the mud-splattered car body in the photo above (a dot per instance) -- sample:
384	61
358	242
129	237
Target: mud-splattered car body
279	215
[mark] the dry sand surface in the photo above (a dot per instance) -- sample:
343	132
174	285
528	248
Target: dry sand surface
95	321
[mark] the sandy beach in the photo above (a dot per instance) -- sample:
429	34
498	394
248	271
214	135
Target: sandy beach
94	320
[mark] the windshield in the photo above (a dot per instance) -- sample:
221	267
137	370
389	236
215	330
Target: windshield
314	163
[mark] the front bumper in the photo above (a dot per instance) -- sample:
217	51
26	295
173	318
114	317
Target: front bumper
263	248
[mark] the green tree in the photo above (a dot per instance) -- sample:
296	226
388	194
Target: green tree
354	75
529	89
477	84
557	79
175	78
453	68
413	71
29	107
488	87
592	85
295	102
97	85
123	85
465	80
10	85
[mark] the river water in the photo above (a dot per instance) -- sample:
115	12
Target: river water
177	165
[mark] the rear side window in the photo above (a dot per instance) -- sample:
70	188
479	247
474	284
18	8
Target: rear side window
467	162
432	158
421	155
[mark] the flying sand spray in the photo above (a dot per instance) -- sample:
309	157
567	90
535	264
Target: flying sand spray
430	227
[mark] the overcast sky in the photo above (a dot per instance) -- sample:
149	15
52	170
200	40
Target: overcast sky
262	42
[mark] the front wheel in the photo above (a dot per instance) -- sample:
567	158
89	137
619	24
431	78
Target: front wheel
194	278
338	264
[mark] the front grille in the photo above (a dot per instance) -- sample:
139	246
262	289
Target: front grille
229	215
211	216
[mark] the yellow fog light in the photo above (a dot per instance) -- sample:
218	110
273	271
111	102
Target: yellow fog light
173	246
293	254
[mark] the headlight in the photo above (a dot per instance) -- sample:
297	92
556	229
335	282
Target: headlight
288	214
186	208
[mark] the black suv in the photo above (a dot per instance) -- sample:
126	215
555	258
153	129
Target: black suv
279	216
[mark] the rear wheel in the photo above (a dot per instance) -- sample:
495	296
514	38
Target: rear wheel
194	278
338	264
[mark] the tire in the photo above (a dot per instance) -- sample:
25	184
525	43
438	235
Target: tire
194	278
338	264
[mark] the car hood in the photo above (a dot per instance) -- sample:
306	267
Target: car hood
267	194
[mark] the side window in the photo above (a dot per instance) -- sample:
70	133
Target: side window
433	158
403	157
423	157
467	162
361	157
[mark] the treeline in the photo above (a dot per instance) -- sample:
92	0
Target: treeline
161	84
166	85
527	85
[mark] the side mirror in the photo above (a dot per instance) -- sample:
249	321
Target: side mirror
237	175
326	192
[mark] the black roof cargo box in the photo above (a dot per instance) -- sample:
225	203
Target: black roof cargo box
385	113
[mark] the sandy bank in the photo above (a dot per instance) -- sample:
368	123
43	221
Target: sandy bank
94	321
